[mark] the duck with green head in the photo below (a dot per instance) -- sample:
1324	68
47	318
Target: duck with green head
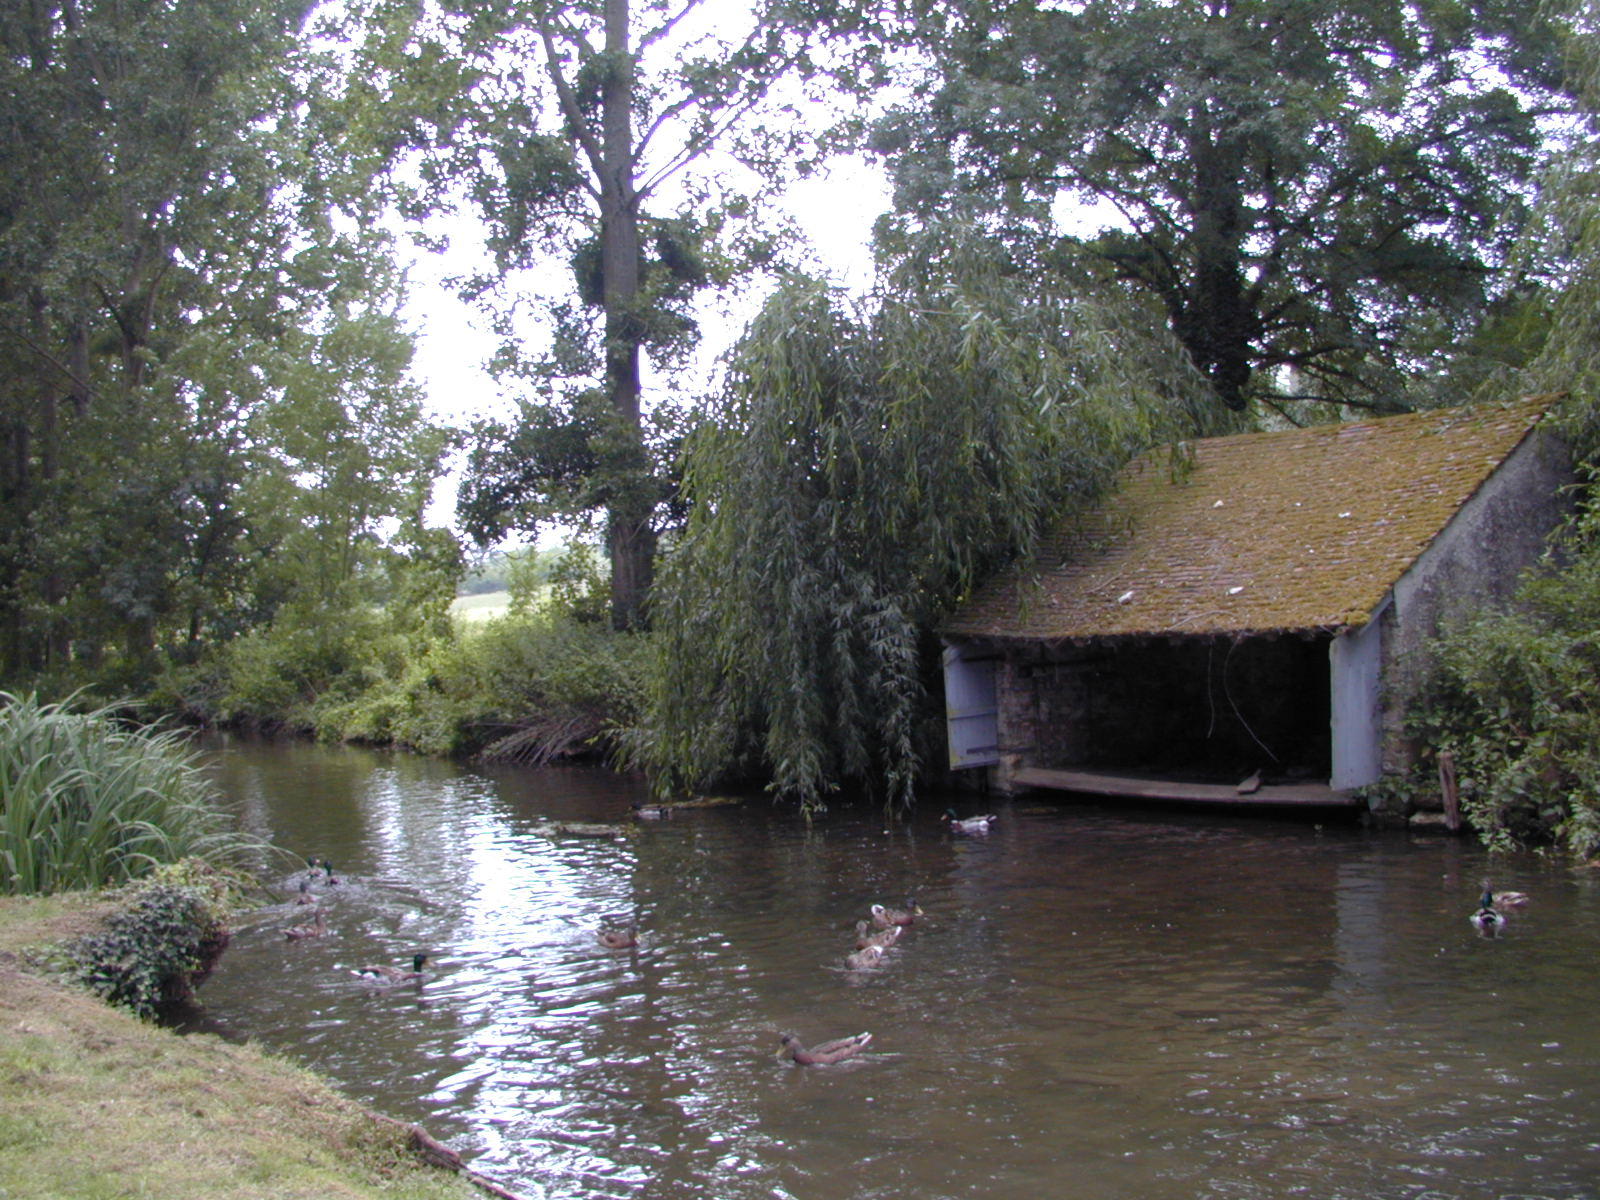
386	975
1488	920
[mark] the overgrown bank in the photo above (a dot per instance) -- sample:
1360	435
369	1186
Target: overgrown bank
533	685
99	1103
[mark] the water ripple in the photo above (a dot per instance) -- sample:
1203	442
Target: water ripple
1095	1003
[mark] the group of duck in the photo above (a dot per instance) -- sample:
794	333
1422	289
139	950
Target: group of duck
873	939
1489	920
320	875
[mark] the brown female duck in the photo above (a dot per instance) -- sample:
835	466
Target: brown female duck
884	917
789	1046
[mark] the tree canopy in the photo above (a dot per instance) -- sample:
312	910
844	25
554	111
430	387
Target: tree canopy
1318	195
197	328
575	133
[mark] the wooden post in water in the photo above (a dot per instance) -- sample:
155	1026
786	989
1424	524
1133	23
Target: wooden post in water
1447	788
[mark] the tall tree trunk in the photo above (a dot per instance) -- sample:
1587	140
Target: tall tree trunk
1217	324
628	533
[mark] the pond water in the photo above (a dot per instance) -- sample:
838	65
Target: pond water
1097	1002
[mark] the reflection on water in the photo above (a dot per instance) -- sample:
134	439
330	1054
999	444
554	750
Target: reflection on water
1096	1003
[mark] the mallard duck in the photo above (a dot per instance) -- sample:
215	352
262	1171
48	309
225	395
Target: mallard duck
883	937
387	975
790	1046
651	812
1487	919
316	927
305	896
865	958
615	938
979	824
884	917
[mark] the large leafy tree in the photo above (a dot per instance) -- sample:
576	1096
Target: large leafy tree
867	465
1317	195
577	130
181	244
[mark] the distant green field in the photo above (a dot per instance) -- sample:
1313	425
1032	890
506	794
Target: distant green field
481	607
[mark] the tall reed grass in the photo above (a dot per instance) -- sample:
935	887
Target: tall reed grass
86	802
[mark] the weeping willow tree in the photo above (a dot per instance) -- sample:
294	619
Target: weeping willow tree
866	465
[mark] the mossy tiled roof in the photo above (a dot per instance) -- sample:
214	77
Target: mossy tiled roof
1300	530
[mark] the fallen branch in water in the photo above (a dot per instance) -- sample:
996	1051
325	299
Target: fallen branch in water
544	739
433	1151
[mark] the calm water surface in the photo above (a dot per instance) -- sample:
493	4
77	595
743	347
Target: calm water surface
1097	1003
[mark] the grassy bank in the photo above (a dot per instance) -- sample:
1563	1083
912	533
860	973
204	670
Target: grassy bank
97	1103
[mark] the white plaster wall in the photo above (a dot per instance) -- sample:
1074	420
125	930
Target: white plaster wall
1501	531
1355	665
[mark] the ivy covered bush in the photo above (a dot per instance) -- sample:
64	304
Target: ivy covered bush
160	943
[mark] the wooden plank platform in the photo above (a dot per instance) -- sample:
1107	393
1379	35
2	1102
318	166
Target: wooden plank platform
1304	795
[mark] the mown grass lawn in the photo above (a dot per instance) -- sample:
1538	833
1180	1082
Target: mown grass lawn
95	1103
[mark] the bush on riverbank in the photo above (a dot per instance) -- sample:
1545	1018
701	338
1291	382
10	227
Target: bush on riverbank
528	686
90	802
1514	698
159	942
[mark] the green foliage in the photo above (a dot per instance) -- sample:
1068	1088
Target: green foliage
523	571
863	472
1319	196
1562	247
86	802
158	945
370	676
1514	694
205	404
1514	697
580	136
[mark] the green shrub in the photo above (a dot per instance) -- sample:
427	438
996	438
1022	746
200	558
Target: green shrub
1515	697
366	678
86	802
160	944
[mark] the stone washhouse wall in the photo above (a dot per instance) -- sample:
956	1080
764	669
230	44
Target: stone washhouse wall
1476	561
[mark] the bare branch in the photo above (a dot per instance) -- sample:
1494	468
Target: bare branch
569	107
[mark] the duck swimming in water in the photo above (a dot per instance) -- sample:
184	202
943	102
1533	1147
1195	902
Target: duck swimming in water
316	927
389	975
822	1055
617	938
979	824
864	959
883	938
1487	920
884	917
